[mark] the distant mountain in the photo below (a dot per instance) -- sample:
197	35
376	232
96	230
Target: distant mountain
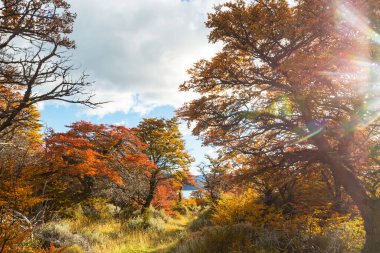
198	184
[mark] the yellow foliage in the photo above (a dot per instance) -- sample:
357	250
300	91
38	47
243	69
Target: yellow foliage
245	207
190	203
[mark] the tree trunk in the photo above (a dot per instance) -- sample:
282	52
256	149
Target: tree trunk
372	228
149	198
344	176
338	198
369	208
180	195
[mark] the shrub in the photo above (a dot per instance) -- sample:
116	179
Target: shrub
73	249
237	208
190	204
246	238
151	213
93	237
136	223
59	235
14	232
202	220
73	212
55	233
151	219
236	238
126	213
243	224
160	214
97	208
139	223
181	209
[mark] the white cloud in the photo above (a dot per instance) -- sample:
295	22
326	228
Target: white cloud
40	106
138	51
184	129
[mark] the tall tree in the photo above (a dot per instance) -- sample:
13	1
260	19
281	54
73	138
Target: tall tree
34	65
166	149
290	90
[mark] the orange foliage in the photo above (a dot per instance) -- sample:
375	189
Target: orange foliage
91	150
165	195
19	178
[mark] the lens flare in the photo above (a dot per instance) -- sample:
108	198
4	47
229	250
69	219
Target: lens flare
310	135
358	22
358	69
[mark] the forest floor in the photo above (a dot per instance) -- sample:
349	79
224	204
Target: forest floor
142	240
113	236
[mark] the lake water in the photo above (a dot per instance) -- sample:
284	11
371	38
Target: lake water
186	194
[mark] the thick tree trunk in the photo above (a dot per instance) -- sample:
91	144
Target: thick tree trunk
344	176
372	228
369	208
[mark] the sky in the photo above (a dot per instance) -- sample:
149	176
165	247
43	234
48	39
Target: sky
136	53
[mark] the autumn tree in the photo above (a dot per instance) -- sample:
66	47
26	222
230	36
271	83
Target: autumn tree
20	177
166	149
294	89
88	154
34	65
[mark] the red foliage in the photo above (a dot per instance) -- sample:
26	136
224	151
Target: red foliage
94	150
165	195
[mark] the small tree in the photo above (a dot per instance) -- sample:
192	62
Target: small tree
166	149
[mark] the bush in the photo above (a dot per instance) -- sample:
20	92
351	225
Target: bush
236	238
246	238
202	220
190	204
243	224
15	231
74	249
59	235
73	212
91	209
160	214
126	213
246	207
338	235
55	233
93	237
181	209
151	219
139	223
97	208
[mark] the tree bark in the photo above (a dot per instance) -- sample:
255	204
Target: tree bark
180	195
149	198
369	208
372	227
344	176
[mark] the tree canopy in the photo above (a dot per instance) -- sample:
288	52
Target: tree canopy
34	64
293	89
166	149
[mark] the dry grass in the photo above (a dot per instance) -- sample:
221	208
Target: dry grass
114	236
